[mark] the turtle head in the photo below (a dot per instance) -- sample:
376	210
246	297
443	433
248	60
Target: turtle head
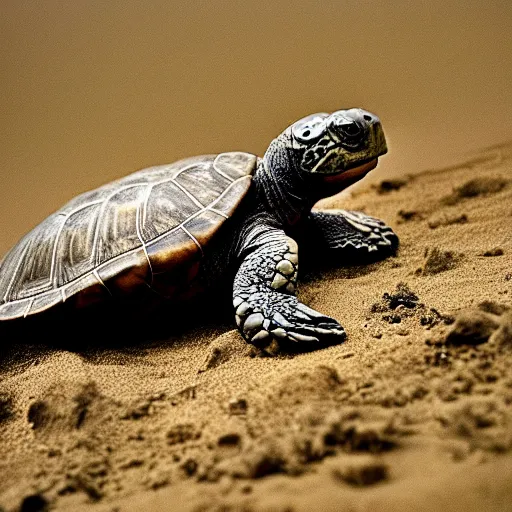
338	148
320	155
331	144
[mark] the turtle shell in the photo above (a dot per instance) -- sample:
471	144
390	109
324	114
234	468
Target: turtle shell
146	230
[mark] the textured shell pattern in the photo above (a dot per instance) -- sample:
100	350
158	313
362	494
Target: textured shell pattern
132	230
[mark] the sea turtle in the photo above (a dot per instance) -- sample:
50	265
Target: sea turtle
170	231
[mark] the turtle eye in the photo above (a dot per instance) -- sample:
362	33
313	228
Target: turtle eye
350	129
309	130
350	132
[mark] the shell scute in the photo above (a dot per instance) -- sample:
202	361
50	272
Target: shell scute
203	182
234	165
164	208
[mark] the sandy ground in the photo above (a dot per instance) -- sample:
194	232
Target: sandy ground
412	412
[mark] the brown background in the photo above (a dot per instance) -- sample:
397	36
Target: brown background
92	90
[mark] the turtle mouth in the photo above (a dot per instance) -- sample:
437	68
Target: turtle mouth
353	173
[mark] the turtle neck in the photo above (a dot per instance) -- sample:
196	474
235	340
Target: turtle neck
281	187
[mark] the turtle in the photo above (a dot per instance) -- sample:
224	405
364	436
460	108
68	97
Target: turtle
169	232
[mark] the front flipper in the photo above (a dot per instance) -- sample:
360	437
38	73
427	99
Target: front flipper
350	235
268	314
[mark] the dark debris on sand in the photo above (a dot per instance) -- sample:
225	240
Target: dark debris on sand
404	304
481	186
496	251
386	186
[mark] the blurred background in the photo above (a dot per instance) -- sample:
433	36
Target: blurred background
92	90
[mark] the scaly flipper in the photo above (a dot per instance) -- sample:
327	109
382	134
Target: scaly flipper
268	314
349	235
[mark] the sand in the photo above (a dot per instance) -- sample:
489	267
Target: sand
412	412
